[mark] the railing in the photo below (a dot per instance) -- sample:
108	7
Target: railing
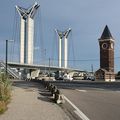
13	73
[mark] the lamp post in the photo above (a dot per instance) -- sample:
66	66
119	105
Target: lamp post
6	58
45	60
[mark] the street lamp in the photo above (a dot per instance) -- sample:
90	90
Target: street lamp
7	55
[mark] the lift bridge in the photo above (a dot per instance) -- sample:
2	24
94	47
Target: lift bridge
24	35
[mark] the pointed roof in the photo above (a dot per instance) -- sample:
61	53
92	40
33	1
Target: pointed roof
106	33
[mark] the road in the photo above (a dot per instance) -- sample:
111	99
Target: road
91	100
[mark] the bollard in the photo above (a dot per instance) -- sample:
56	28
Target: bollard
54	91
57	95
59	98
49	87
46	85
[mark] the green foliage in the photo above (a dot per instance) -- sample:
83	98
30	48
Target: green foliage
118	74
5	91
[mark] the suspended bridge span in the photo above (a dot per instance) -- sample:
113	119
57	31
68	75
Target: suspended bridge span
41	67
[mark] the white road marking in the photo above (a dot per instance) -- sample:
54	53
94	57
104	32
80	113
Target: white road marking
81	90
98	89
77	110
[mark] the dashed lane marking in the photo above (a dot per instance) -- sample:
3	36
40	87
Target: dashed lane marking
77	110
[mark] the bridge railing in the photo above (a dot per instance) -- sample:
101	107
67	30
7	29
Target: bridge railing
13	73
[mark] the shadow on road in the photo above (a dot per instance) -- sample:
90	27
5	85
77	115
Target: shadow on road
31	86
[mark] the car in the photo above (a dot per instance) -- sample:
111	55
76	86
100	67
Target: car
59	78
92	78
67	77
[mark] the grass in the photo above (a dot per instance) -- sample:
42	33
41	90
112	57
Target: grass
5	92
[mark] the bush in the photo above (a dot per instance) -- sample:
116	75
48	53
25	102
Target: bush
3	107
5	92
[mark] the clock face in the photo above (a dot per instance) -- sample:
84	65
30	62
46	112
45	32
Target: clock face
104	45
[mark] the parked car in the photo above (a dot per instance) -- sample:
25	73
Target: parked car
92	78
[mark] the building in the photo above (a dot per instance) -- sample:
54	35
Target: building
106	44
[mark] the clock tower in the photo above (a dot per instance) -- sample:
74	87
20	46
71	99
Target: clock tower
106	44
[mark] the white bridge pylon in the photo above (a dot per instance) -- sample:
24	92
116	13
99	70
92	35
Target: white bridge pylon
61	35
27	33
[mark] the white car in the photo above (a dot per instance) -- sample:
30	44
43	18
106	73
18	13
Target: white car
67	77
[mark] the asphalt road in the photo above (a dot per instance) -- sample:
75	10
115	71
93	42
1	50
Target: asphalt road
91	101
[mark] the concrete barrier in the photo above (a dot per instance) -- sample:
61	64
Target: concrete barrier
56	93
59	98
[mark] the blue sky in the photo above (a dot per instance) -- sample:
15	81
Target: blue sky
86	18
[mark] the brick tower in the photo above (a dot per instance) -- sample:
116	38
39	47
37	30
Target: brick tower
106	43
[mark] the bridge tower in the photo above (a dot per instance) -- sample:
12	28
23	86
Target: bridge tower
66	33
27	33
62	35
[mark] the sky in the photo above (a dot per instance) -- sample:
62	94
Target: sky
86	18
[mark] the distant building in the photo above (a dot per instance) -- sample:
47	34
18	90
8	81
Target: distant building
106	43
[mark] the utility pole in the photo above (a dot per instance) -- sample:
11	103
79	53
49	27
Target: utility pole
92	68
6	57
49	68
45	60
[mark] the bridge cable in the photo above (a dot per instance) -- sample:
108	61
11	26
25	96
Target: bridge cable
41	36
71	50
37	37
13	36
54	48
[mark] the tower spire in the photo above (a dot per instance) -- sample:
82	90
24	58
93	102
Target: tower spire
106	34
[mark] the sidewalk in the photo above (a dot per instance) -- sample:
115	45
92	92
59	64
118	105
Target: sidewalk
30	101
